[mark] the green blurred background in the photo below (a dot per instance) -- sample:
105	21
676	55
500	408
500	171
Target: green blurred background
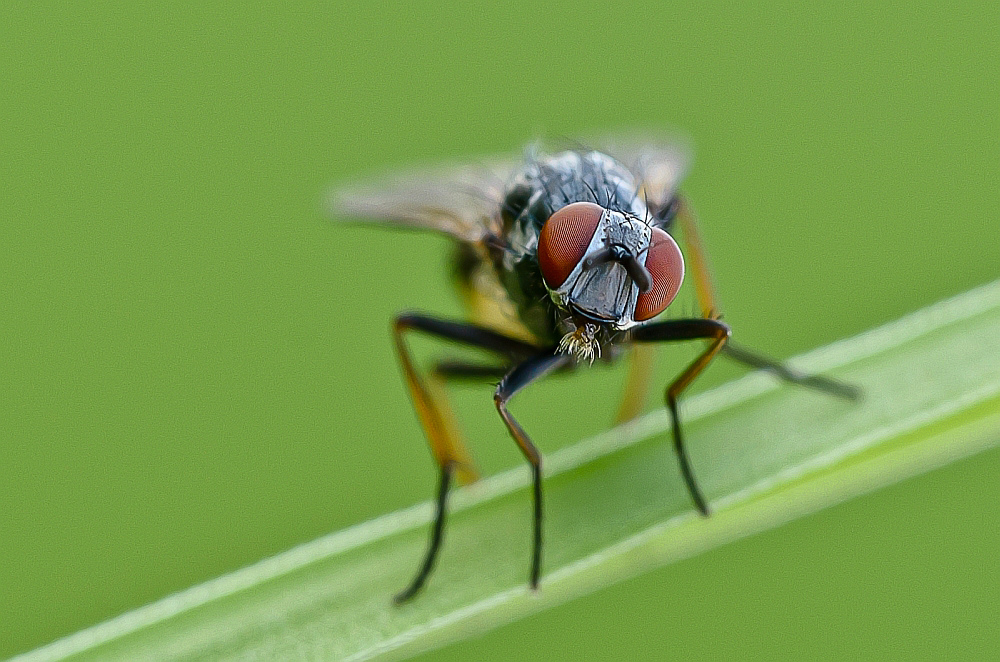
196	365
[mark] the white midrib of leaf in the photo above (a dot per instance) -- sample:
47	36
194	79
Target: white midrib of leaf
296	600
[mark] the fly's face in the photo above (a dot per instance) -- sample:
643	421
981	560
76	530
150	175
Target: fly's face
608	267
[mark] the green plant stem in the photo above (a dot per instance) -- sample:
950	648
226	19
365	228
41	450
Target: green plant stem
765	453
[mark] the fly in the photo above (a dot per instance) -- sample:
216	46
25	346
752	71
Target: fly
562	258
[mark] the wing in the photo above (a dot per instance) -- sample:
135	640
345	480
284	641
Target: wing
461	201
658	161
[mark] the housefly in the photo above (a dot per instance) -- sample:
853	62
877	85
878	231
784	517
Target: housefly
562	257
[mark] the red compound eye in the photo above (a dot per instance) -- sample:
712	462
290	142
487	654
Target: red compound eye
666	267
564	240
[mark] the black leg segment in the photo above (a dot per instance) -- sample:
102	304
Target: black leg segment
818	382
522	375
469	372
467	334
437	533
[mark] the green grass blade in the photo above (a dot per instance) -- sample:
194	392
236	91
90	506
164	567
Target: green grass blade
765	453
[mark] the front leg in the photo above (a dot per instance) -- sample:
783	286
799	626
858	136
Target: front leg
522	375
717	333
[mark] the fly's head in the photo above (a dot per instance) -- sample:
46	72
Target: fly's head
607	270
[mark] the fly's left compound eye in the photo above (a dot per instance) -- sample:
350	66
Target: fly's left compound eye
564	240
666	267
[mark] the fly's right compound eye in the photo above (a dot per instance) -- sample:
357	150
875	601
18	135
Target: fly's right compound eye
666	269
564	240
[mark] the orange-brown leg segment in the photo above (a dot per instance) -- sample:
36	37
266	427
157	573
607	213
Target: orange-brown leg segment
435	417
697	260
432	410
717	334
640	373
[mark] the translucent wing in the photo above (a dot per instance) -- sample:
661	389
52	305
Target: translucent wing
464	201
658	161
461	201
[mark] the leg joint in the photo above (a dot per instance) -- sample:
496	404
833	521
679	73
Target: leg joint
405	321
